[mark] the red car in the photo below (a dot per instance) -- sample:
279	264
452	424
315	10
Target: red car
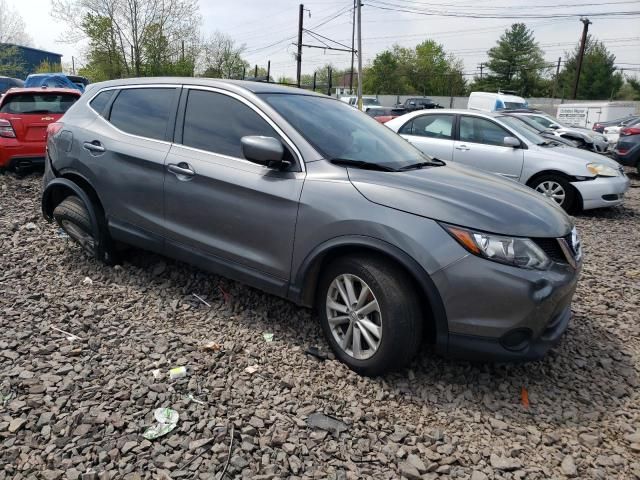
25	114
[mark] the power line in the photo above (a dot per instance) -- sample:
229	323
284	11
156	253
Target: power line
383	5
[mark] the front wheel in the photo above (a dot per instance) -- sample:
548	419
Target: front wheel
557	189
370	314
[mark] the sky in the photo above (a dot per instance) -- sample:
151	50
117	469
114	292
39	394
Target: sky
268	28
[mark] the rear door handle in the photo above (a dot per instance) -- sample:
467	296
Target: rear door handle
462	147
181	169
94	146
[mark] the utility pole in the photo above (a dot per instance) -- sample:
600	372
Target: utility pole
255	73
481	68
586	22
73	65
329	81
353	37
555	81
314	80
299	56
268	71
359	55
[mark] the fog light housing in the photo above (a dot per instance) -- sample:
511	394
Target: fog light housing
516	340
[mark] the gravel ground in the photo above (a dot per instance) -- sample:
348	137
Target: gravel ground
76	406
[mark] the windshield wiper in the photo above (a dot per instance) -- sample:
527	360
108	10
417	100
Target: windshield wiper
361	164
433	163
36	111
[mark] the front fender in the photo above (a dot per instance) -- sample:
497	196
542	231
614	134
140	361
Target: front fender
302	289
60	188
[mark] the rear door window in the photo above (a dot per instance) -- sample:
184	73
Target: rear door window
144	112
216	123
38	103
434	126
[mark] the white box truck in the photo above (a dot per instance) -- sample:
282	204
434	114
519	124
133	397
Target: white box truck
586	114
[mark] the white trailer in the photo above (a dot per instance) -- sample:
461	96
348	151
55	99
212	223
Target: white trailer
586	114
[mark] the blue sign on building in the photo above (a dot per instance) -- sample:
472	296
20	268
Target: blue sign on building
18	61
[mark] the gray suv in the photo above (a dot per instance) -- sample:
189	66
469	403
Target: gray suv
307	198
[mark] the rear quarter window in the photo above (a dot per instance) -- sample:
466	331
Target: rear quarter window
38	103
100	101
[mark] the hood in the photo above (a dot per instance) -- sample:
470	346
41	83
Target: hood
465	197
572	160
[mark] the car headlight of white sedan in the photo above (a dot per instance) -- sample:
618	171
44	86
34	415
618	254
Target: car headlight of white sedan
602	170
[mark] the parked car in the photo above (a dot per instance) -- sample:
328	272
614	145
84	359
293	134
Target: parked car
492	102
388	244
383	114
56	80
416	103
627	151
575	179
613	132
585	138
25	114
548	134
7	82
600	126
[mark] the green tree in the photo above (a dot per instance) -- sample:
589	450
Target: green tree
515	63
104	60
11	62
426	69
223	58
48	67
383	76
630	90
599	79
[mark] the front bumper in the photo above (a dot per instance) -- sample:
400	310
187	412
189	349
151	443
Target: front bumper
497	312
603	191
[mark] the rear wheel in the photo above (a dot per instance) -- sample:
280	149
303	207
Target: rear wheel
557	189
370	314
73	217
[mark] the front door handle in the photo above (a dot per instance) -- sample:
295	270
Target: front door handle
181	169
94	146
462	147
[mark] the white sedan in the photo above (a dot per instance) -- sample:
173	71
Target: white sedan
575	179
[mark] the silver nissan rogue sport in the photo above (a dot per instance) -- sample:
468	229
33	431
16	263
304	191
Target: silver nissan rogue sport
307	198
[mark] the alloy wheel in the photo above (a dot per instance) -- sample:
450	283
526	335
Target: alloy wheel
354	316
553	190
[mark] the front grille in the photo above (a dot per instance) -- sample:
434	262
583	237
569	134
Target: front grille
552	248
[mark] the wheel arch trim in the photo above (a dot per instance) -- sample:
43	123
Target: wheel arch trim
302	289
62	184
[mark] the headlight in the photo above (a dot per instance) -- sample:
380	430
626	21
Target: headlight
601	170
519	252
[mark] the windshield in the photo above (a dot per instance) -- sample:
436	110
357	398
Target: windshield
523	129
514	105
26	103
338	131
532	124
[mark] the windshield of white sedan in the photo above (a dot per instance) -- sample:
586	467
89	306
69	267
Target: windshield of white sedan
340	132
523	130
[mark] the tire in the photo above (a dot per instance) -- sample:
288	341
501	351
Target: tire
398	317
73	217
558	189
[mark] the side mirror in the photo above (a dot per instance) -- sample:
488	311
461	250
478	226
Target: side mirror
413	104
266	151
512	142
554	126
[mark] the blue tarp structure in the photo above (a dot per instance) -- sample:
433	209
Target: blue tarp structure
57	80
